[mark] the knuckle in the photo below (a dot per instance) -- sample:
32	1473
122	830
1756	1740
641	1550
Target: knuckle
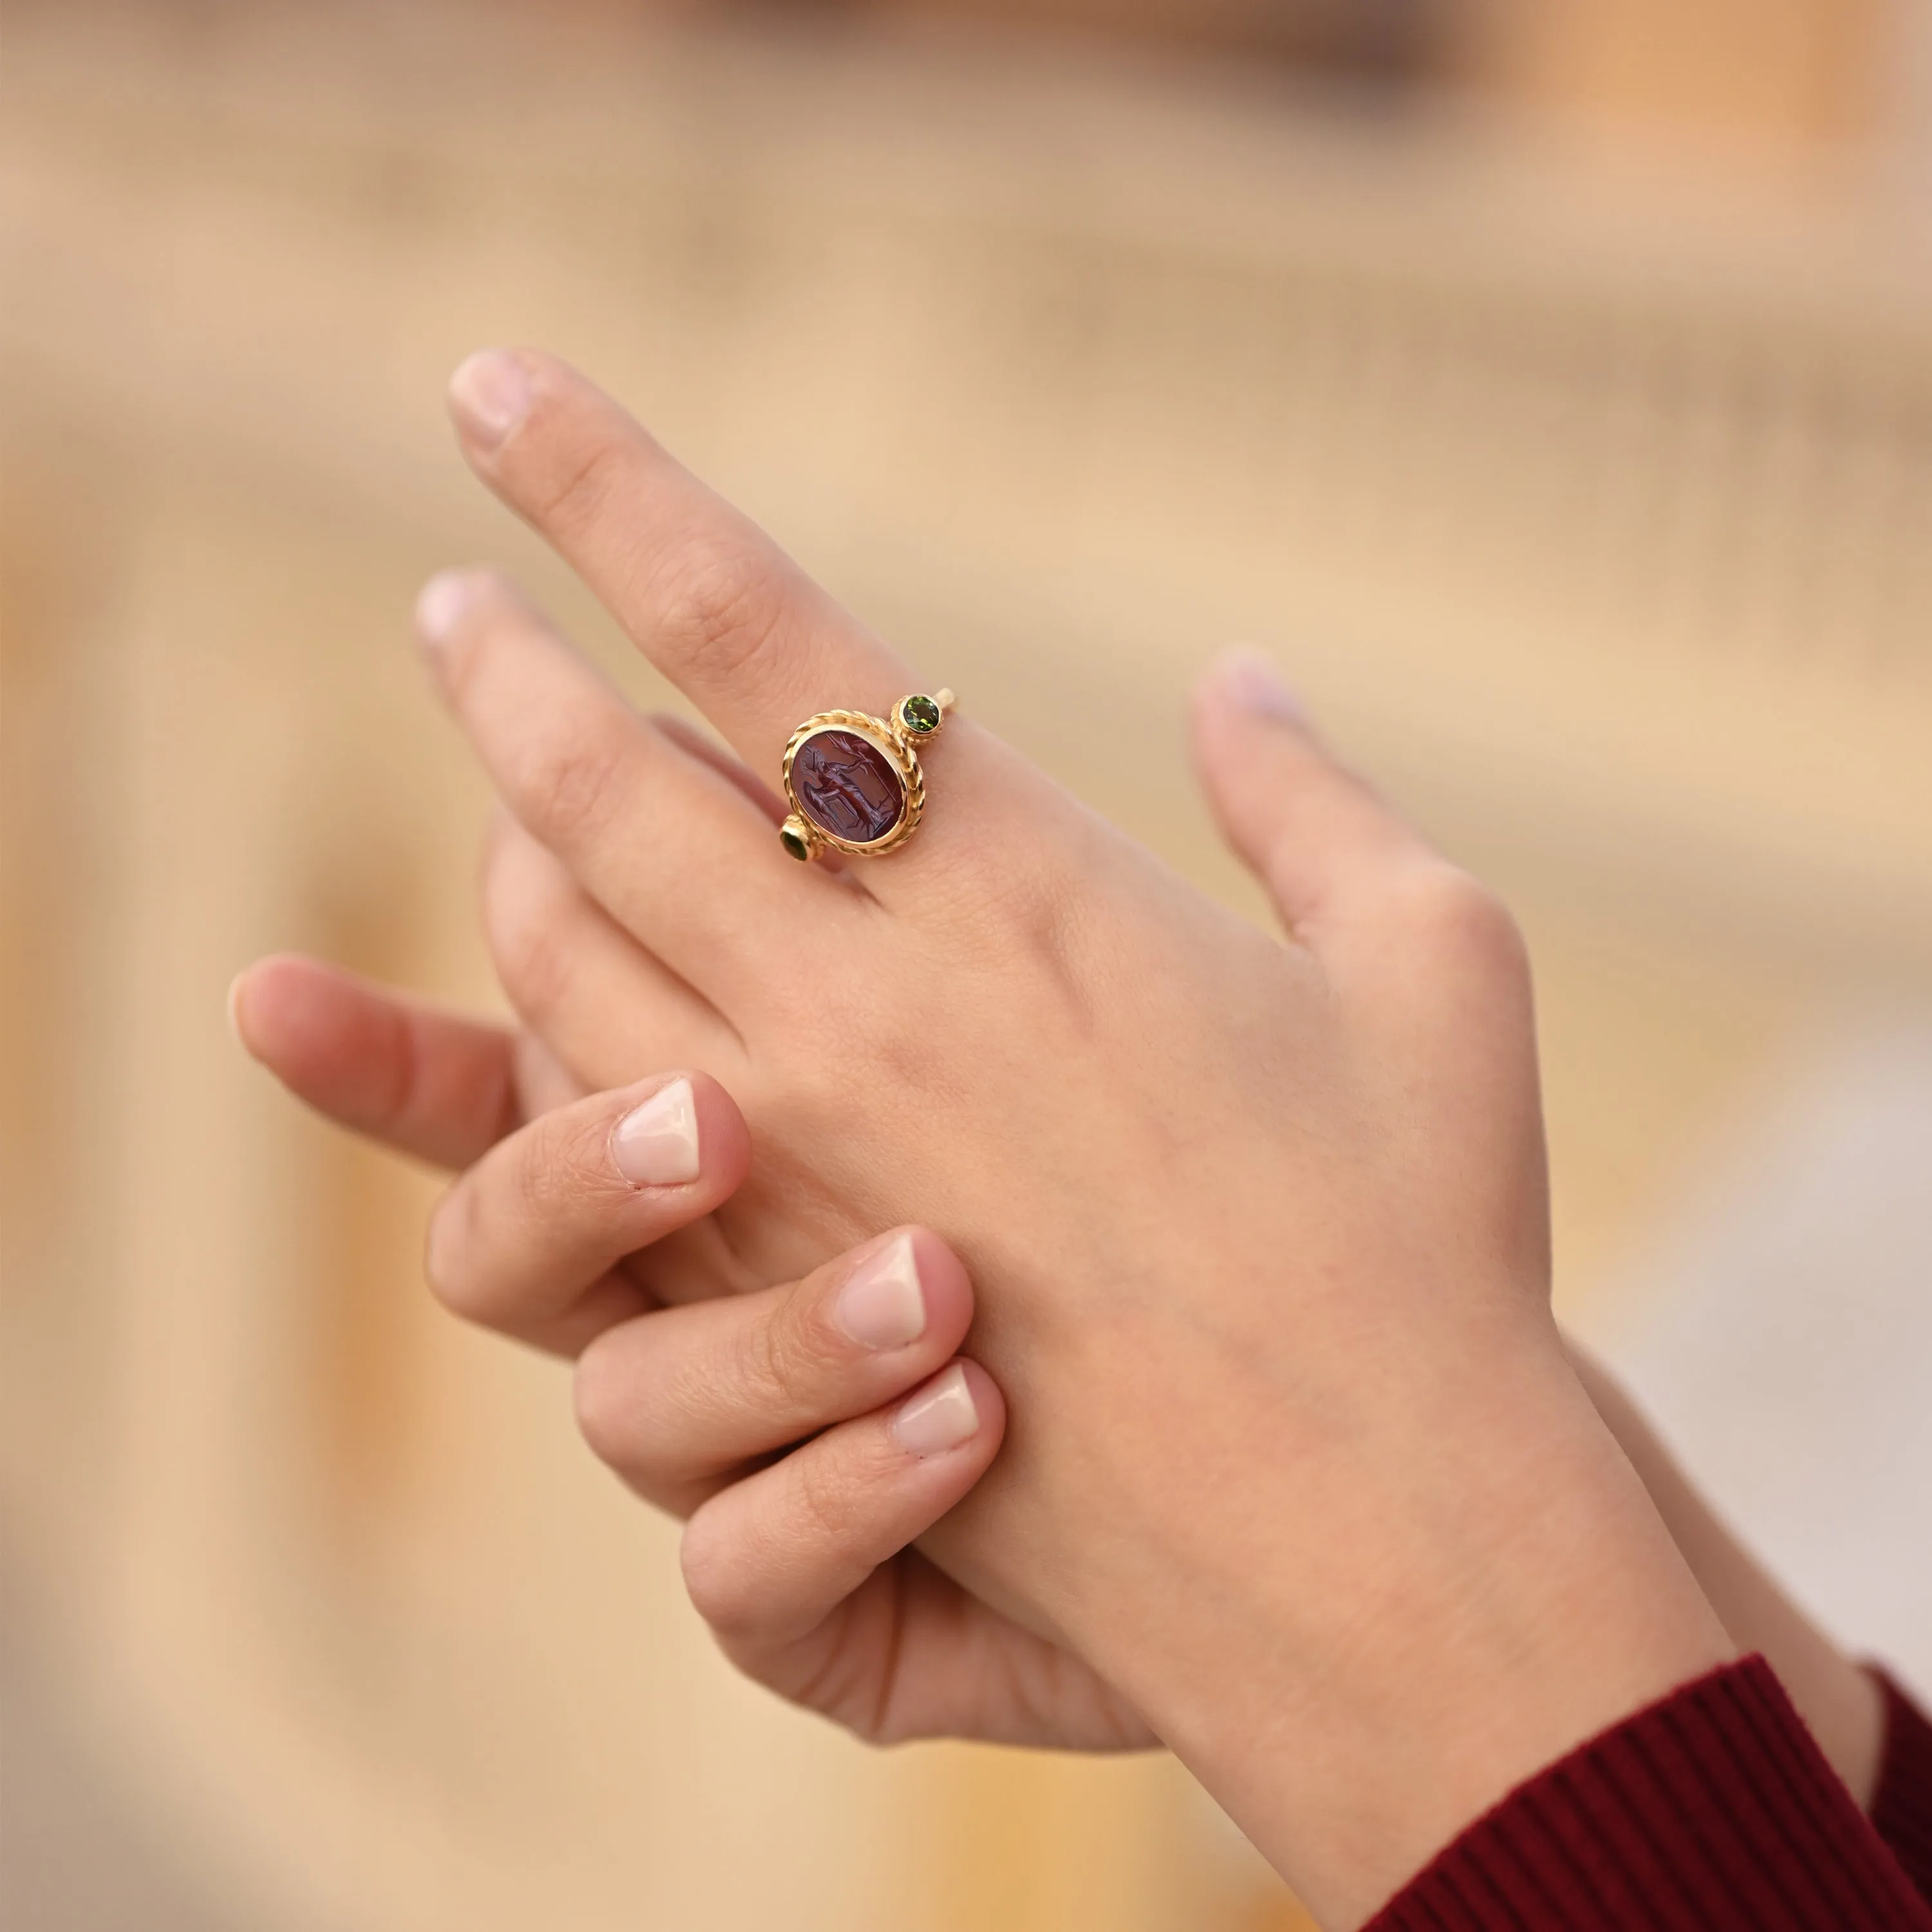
823	1498
809	1345
724	606
576	491
1460	919
573	1170
772	1365
1022	899
716	1577
529	954
572	784
1010	916
444	1243
1010	892
552	1180
605	1401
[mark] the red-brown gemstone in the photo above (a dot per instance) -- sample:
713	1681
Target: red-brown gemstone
846	784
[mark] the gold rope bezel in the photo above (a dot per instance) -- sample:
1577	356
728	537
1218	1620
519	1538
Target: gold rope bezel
905	761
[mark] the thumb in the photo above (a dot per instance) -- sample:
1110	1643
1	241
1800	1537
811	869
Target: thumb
1317	836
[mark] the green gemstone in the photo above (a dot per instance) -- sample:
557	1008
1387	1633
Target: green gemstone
794	842
920	715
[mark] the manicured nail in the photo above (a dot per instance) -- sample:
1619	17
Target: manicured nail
490	395
656	1144
441	603
882	1305
1252	681
940	1417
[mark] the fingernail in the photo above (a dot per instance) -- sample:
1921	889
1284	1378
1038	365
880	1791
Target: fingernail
940	1417
1251	679
235	1005
656	1144
882	1305
490	395
443	602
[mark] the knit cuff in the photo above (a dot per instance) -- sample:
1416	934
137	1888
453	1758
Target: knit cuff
1902	1809
1709	1810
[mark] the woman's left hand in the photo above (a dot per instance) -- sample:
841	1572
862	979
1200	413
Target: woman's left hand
808	1432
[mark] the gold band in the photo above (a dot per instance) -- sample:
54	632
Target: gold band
854	781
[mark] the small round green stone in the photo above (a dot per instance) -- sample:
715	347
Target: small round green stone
920	714
793	843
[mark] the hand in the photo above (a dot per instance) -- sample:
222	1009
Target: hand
444	1088
1839	1701
809	1433
1258	1229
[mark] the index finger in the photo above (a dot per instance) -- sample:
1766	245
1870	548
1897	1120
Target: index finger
426	1082
707	596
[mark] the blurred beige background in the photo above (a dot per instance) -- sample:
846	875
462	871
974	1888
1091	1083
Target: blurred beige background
1550	385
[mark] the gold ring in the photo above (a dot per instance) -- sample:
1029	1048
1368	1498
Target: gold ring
854	781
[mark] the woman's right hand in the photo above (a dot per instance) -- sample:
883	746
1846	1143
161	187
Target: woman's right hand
807	1433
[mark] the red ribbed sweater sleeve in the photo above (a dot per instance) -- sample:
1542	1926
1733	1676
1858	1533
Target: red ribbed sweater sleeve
1902	1807
1711	1811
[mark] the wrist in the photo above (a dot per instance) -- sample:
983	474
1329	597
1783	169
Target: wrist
1477	1621
1839	1703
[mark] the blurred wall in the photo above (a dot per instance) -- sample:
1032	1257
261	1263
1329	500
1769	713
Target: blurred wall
1592	509
1772	85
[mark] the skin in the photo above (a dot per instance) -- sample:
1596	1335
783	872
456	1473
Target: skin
757	1417
541	1221
1279	1210
916	1658
1840	1702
